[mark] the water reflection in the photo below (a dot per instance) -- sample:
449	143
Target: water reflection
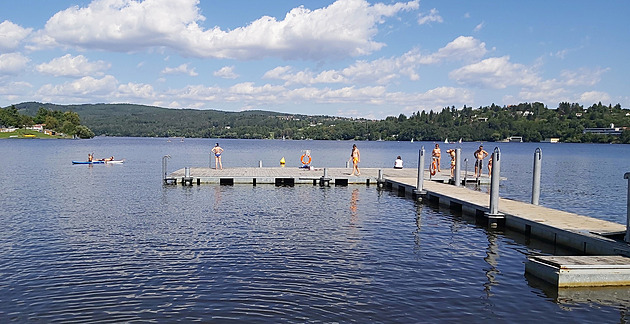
492	254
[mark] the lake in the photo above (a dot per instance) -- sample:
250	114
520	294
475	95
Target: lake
110	243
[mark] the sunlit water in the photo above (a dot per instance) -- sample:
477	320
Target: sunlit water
110	243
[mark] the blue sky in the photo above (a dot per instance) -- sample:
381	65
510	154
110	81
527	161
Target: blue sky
351	58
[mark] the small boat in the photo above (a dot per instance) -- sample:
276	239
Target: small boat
99	162
88	162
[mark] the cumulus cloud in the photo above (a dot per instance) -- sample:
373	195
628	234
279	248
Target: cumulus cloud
346	27
11	35
12	63
496	73
73	66
226	72
182	69
79	89
432	16
461	48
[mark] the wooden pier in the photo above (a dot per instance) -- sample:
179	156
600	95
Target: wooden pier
585	235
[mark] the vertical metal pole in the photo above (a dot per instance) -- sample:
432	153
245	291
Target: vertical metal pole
494	181
380	175
420	170
164	166
536	180
187	172
627	237
325	173
347	164
210	160
457	176
260	164
466	170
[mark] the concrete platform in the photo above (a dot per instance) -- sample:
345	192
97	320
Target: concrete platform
580	271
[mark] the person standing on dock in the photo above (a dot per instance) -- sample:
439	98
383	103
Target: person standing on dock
217	150
437	154
452	153
356	158
479	154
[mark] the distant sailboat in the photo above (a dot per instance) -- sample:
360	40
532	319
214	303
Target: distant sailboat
446	141
460	140
412	140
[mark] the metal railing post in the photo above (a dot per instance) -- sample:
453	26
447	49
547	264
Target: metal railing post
494	181
164	166
627	237
457	176
420	182
536	179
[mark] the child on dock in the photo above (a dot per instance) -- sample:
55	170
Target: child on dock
451	153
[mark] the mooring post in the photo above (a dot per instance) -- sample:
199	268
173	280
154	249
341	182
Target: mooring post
536	180
260	164
347	164
627	237
164	162
457	176
210	160
465	170
494	216
420	184
494	181
379	180
325	173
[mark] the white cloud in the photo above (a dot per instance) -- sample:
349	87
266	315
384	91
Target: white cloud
226	72
479	27
86	87
11	35
69	66
346	27
465	48
12	63
590	97
496	73
583	76
182	69
433	16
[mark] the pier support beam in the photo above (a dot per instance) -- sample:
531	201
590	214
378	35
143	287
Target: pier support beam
536	179
627	237
457	176
324	180
494	216
419	185
187	180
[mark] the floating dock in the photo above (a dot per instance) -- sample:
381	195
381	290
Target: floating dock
580	271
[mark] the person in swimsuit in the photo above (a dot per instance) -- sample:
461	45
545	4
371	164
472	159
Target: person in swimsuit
436	154
451	152
356	158
479	154
217	150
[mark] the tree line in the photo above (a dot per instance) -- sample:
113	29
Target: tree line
534	122
66	122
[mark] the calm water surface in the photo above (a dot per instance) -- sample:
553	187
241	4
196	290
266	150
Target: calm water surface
110	243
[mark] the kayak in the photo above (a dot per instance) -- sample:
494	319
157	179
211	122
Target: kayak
99	162
88	162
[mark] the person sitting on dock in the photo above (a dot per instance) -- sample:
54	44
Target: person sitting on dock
437	154
452	153
398	164
217	150
479	154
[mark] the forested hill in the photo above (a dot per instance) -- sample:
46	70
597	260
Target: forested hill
533	121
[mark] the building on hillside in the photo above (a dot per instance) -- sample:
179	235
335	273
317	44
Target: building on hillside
612	130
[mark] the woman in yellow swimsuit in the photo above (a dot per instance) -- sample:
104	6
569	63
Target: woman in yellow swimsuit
356	158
